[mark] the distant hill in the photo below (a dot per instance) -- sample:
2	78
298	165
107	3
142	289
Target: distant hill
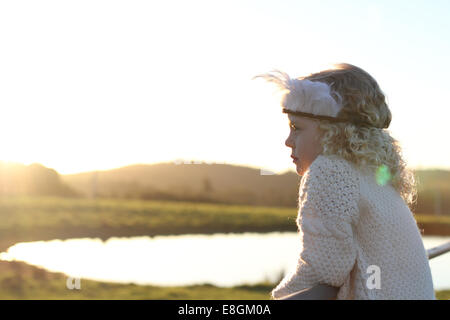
433	179
203	182
33	179
433	188
216	182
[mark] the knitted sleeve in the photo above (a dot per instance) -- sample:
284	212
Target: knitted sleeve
328	206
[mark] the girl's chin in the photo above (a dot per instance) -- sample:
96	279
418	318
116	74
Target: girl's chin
298	168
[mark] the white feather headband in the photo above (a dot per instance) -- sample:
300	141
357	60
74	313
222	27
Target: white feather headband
313	99
307	98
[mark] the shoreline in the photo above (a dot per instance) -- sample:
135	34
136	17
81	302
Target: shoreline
21	281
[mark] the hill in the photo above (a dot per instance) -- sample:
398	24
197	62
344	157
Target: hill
219	183
213	182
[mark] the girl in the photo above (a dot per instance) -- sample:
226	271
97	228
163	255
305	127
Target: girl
359	237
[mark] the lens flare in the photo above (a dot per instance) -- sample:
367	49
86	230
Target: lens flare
382	175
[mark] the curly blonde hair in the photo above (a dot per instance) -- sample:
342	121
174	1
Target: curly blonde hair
369	147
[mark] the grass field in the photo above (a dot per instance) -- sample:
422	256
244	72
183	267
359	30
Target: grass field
22	281
29	218
19	280
46	218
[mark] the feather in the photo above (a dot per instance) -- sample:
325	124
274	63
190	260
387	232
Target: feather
304	95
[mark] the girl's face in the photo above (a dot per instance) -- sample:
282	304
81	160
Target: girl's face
304	141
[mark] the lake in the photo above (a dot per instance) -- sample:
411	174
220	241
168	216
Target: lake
220	259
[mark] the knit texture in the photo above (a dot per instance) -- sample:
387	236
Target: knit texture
348	227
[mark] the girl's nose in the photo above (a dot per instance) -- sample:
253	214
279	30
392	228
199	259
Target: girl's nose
288	142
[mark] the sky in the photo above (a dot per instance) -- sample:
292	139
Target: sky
97	85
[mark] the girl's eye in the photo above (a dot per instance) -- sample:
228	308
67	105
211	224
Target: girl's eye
294	128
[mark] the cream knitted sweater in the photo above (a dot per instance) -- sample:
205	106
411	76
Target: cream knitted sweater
356	235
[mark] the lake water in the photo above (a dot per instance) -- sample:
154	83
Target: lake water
220	259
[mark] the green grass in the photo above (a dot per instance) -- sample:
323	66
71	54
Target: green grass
28	212
424	218
443	295
21	281
46	218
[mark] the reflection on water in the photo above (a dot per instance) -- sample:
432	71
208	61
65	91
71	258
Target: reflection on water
220	259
